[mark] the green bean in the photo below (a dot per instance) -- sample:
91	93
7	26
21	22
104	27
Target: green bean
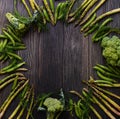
78	111
89	22
105	78
14	55
11	28
4	43
13	68
2	56
49	11
52	6
10	37
72	2
102	81
104	68
101	37
13	35
91	107
1	45
16	47
57	10
100	32
105	72
114	70
93	29
106	22
4	59
93	11
62	10
16	44
46	15
2	36
10	65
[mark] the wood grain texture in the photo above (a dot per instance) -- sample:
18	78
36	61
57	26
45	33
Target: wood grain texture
60	57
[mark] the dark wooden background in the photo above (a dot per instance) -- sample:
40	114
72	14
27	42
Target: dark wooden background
60	57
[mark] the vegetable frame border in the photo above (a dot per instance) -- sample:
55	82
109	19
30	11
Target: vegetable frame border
39	16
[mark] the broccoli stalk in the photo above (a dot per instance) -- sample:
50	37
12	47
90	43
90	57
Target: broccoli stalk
50	115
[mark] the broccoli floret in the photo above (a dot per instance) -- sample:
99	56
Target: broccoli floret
111	50
104	41
53	106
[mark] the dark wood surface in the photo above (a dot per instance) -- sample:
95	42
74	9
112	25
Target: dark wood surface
60	57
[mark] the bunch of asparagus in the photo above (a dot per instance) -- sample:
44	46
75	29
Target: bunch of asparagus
96	95
20	88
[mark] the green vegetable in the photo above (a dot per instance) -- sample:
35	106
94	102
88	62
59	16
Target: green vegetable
87	9
111	50
27	8
49	11
93	11
11	98
53	106
89	22
111	12
14	21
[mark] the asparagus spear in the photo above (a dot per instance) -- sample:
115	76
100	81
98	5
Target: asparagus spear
86	10
106	97
18	106
95	100
31	104
93	11
11	98
69	9
11	80
27	8
24	105
95	112
107	104
110	86
114	11
78	11
108	92
10	76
